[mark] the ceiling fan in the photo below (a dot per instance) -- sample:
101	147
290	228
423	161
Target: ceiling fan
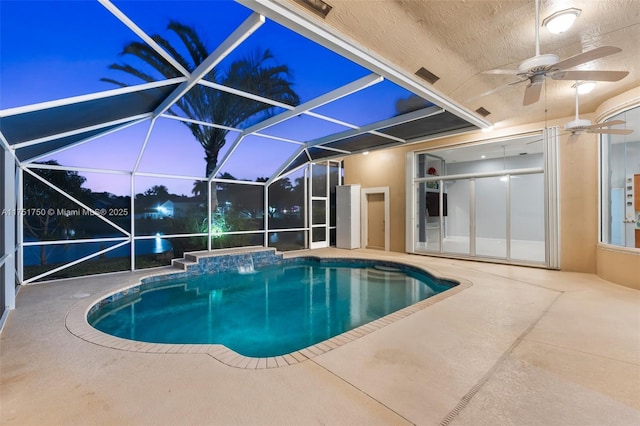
535	70
579	125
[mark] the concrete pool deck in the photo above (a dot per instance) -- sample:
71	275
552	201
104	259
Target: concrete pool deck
521	346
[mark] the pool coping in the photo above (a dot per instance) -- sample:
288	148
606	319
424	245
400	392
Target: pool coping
76	323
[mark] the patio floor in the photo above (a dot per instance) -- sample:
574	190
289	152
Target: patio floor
521	346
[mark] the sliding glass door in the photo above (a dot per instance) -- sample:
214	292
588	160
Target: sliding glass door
488	201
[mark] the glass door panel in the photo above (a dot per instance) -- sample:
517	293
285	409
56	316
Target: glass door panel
488	200
491	216
334	180
318	212
319	180
427	234
318	235
527	217
457	217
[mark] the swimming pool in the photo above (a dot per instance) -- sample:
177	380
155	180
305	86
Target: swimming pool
271	311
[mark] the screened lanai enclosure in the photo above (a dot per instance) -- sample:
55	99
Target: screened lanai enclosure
133	132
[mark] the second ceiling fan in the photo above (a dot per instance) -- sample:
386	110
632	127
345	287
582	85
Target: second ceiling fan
536	69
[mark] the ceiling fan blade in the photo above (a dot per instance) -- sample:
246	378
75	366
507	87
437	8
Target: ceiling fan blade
590	75
501	72
584	57
607	124
611	131
489	92
532	94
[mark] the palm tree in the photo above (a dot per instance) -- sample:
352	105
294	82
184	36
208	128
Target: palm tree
200	188
256	73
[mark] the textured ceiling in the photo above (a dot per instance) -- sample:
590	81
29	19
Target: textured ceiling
457	40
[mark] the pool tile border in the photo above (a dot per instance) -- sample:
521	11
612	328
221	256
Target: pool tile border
76	323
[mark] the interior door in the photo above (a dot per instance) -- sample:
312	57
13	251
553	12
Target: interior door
375	221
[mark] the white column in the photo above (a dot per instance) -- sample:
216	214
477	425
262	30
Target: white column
9	230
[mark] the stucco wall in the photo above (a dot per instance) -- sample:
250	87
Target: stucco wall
578	171
619	265
383	168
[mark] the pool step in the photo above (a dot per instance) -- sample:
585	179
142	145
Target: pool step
183	263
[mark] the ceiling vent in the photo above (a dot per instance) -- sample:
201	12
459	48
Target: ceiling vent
483	112
425	74
318	7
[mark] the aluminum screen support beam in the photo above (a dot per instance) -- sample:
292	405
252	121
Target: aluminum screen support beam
90	97
371	128
246	95
75	200
127	120
338	93
144	146
288	15
348	89
226	156
144	36
284	166
248	27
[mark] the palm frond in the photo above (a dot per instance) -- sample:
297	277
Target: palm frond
149	56
257	73
133	71
174	53
191	41
112	81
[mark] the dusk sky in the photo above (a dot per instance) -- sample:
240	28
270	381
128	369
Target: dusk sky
58	49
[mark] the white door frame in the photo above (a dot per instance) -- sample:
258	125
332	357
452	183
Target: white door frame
325	198
364	205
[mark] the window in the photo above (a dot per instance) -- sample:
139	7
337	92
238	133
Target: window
620	183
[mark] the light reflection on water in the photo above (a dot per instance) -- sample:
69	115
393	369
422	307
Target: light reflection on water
69	252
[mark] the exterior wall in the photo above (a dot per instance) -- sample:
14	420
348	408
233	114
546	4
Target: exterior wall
618	264
578	176
621	266
383	168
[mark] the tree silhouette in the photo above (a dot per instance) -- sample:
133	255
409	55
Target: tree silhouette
43	203
159	191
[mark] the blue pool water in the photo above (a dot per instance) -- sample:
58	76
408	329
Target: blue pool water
272	311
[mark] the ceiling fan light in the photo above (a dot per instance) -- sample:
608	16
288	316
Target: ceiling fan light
584	87
561	21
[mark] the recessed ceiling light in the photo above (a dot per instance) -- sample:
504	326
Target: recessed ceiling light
365	153
584	87
487	129
483	156
561	21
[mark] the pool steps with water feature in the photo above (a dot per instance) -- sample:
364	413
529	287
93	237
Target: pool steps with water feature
235	259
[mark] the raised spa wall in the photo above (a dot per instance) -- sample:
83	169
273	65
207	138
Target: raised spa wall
207	262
